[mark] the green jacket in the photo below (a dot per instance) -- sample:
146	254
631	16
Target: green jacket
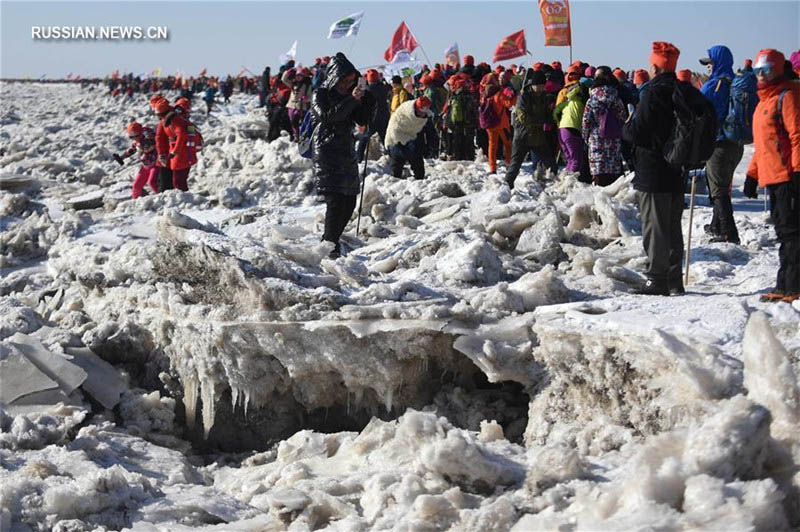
530	115
569	113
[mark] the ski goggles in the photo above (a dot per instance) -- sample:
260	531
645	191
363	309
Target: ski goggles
763	70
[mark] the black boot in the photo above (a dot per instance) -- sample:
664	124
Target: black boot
653	288
676	287
723	211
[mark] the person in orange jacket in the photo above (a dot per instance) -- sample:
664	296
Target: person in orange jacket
183	144
501	100
162	108
776	165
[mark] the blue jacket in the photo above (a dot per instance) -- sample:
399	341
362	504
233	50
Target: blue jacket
718	87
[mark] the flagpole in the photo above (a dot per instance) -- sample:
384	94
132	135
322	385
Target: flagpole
430	64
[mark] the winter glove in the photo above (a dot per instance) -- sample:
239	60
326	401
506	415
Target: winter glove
162	160
750	187
118	158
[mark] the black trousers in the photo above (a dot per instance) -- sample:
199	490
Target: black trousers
462	143
719	174
520	150
415	159
785	198
339	209
662	235
164	179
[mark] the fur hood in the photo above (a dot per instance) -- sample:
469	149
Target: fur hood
404	125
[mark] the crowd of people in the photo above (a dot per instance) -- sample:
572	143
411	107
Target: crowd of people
594	122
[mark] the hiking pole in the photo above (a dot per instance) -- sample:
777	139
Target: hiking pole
765	199
363	179
689	234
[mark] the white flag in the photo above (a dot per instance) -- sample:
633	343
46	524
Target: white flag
346	27
403	65
284	58
451	55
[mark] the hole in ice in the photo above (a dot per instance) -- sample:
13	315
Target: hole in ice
594	311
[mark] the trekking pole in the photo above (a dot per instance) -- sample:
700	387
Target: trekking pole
363	178
689	234
765	199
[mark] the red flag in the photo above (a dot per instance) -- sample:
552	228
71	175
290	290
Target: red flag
511	47
403	40
555	17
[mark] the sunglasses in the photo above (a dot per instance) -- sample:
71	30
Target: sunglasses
763	71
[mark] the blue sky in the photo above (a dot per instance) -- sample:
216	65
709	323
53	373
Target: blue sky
224	36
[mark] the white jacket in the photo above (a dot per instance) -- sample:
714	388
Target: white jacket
404	125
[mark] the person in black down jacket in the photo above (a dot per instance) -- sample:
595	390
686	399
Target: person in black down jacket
381	92
337	104
659	185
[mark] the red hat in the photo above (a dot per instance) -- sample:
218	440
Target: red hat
373	76
425	80
135	128
770	58
499	68
469	60
436	75
538	66
684	75
326	59
422	104
184	103
556	65
574	69
620	74
748	63
162	106
640	76
457	81
154	99
489	79
589	72
317	60
665	55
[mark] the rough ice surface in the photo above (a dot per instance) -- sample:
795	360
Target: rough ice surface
195	361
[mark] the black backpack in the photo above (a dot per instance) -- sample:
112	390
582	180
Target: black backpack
694	131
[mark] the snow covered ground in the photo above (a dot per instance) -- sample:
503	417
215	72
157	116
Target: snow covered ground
475	362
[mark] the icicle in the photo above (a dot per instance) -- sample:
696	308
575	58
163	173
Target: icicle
246	400
388	400
207	396
234	397
190	388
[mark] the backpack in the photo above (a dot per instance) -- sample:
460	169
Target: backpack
457	114
304	144
610	124
694	130
487	116
738	124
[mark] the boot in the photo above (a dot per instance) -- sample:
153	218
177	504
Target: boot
790	298
723	212
731	238
653	288
676	287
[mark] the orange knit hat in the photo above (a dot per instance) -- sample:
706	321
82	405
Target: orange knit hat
665	55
